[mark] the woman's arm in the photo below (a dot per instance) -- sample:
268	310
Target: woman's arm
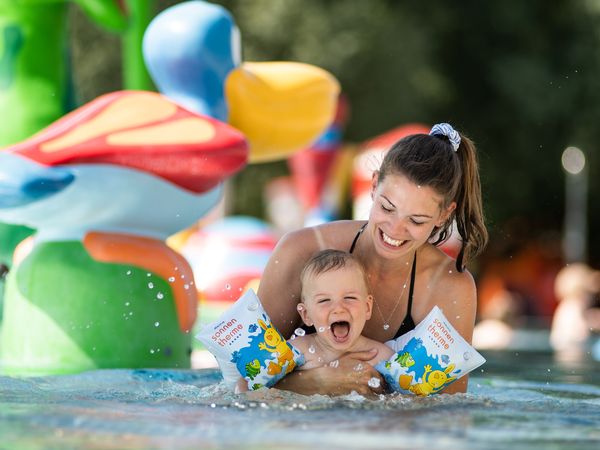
279	289
353	373
456	295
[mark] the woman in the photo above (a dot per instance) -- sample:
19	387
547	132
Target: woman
425	182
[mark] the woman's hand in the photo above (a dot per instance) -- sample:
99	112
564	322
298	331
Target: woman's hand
351	373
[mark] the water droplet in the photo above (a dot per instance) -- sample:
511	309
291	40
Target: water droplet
131	313
358	367
321	329
252	306
312	349
171	279
386	326
549	371
467	356
319	359
160	295
148	274
335	363
156	324
152	350
228	287
374	382
449	271
128	272
127	303
299	332
150	285
186	286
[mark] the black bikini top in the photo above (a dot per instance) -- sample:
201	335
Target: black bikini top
408	323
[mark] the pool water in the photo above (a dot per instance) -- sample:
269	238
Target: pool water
517	400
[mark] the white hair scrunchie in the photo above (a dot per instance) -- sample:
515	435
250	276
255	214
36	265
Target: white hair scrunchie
445	129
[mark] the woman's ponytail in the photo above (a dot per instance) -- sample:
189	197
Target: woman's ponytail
469	209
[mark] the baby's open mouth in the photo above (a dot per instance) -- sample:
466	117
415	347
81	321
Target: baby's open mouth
340	330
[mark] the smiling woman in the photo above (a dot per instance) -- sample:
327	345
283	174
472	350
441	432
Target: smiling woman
424	184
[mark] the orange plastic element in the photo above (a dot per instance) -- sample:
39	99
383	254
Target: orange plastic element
145	131
154	256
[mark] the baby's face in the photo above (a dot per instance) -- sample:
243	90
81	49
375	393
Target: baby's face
338	304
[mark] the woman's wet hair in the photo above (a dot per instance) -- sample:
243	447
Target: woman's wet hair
431	161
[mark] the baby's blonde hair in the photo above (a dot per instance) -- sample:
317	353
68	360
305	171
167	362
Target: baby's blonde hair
330	259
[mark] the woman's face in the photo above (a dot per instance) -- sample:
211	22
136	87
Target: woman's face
403	215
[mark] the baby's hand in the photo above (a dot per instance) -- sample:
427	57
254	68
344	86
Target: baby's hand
241	386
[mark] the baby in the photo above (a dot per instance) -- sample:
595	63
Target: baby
336	301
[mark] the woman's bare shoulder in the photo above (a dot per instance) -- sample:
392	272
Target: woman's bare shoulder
440	271
338	235
452	290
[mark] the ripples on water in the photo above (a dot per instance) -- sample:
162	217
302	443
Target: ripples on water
533	407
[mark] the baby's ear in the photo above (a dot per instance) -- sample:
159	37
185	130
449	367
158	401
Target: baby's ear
304	314
369	305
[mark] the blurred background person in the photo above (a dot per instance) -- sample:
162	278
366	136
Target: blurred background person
577	316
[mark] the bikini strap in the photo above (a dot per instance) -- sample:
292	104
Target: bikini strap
359	232
412	286
408	324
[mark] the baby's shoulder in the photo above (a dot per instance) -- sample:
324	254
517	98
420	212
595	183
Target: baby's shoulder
302	343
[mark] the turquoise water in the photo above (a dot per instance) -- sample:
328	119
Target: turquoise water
518	400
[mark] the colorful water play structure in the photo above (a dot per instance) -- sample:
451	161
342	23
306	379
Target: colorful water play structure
105	185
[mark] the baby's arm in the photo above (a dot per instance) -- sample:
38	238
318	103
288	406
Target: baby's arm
241	386
302	344
383	354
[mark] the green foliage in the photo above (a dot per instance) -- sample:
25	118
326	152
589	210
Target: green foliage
519	77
